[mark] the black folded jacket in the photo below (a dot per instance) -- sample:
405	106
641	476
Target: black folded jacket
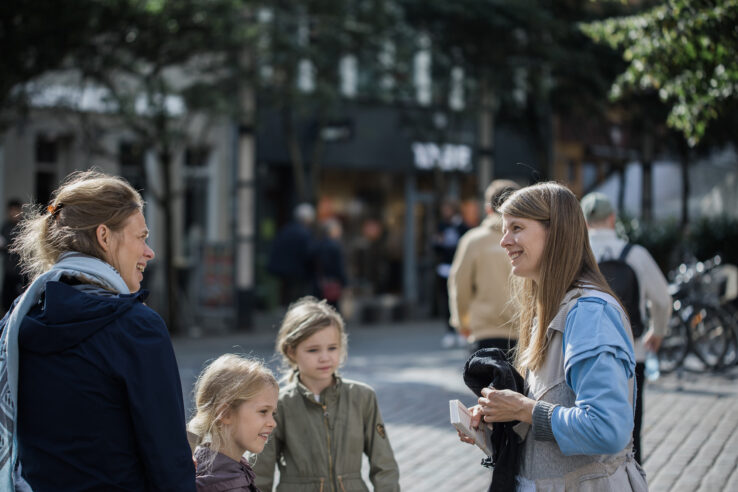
489	367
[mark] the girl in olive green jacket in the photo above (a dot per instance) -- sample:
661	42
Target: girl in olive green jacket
324	423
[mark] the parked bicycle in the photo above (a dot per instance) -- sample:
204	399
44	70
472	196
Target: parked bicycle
703	321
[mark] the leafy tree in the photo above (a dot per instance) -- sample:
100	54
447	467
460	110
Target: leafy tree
683	49
302	47
524	60
158	63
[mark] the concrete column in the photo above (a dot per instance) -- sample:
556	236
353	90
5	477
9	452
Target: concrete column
410	270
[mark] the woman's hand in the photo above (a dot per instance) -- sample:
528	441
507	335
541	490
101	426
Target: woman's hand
476	419
504	406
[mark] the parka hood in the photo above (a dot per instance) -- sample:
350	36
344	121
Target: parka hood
66	316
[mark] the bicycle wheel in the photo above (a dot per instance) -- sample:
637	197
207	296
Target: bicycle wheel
710	335
675	345
731	355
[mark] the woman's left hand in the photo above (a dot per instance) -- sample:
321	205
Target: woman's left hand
505	406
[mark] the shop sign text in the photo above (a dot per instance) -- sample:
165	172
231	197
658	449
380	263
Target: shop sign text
446	157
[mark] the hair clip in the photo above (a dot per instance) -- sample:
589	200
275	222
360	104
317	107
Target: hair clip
54	210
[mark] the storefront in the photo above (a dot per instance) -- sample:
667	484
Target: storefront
384	172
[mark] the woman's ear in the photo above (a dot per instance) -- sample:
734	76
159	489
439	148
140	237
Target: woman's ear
104	236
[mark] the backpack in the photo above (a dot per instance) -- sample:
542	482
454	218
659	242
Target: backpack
623	281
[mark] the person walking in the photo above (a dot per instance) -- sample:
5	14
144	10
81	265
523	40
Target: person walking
450	229
478	284
652	303
92	397
12	285
290	258
330	264
575	350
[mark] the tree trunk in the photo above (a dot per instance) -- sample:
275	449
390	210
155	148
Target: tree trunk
295	152
165	160
621	188
647	172
317	161
486	137
684	161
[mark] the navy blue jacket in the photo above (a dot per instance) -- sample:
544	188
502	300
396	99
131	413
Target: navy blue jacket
290	253
99	396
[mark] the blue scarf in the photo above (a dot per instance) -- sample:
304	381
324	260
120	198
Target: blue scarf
86	269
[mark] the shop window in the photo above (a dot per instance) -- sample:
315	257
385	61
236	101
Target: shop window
46	156
46	150
196	157
132	160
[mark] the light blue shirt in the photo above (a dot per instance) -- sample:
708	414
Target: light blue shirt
598	362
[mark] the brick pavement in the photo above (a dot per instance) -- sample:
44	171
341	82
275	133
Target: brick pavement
690	426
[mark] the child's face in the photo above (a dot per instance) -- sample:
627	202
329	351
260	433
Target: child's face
253	420
317	357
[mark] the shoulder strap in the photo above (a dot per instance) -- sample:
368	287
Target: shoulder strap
625	251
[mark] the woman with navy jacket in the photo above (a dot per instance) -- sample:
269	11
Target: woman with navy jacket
93	394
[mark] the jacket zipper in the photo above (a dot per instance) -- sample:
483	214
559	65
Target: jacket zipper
330	455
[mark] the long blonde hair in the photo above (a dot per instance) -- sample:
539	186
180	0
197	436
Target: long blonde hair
304	318
567	262
223	385
84	200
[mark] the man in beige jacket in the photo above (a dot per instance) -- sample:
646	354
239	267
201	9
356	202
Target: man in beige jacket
478	285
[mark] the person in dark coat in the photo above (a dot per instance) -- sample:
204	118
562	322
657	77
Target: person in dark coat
99	398
330	264
290	257
12	278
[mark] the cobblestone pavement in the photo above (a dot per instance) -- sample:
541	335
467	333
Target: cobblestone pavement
690	427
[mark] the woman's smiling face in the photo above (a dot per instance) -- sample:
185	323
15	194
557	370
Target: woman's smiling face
129	252
524	240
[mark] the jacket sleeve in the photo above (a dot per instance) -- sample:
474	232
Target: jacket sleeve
383	470
655	289
598	363
460	284
149	371
267	459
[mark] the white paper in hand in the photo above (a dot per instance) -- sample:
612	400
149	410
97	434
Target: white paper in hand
461	419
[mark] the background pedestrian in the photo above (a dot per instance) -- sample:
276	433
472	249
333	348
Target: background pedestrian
12	278
479	282
652	307
290	258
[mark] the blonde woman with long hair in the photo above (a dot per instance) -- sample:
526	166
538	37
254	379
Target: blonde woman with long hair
575	350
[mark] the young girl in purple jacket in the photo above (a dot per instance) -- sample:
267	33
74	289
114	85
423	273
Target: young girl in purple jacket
236	399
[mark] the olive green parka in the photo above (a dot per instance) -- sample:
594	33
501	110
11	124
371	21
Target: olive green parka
318	445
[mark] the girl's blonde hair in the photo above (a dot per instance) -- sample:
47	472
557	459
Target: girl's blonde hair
567	262
84	200
303	319
223	385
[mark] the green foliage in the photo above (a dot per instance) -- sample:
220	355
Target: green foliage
708	237
685	50
663	239
669	244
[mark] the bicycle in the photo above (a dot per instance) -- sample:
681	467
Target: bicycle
699	325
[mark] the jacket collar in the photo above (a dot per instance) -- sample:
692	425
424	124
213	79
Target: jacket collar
328	395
